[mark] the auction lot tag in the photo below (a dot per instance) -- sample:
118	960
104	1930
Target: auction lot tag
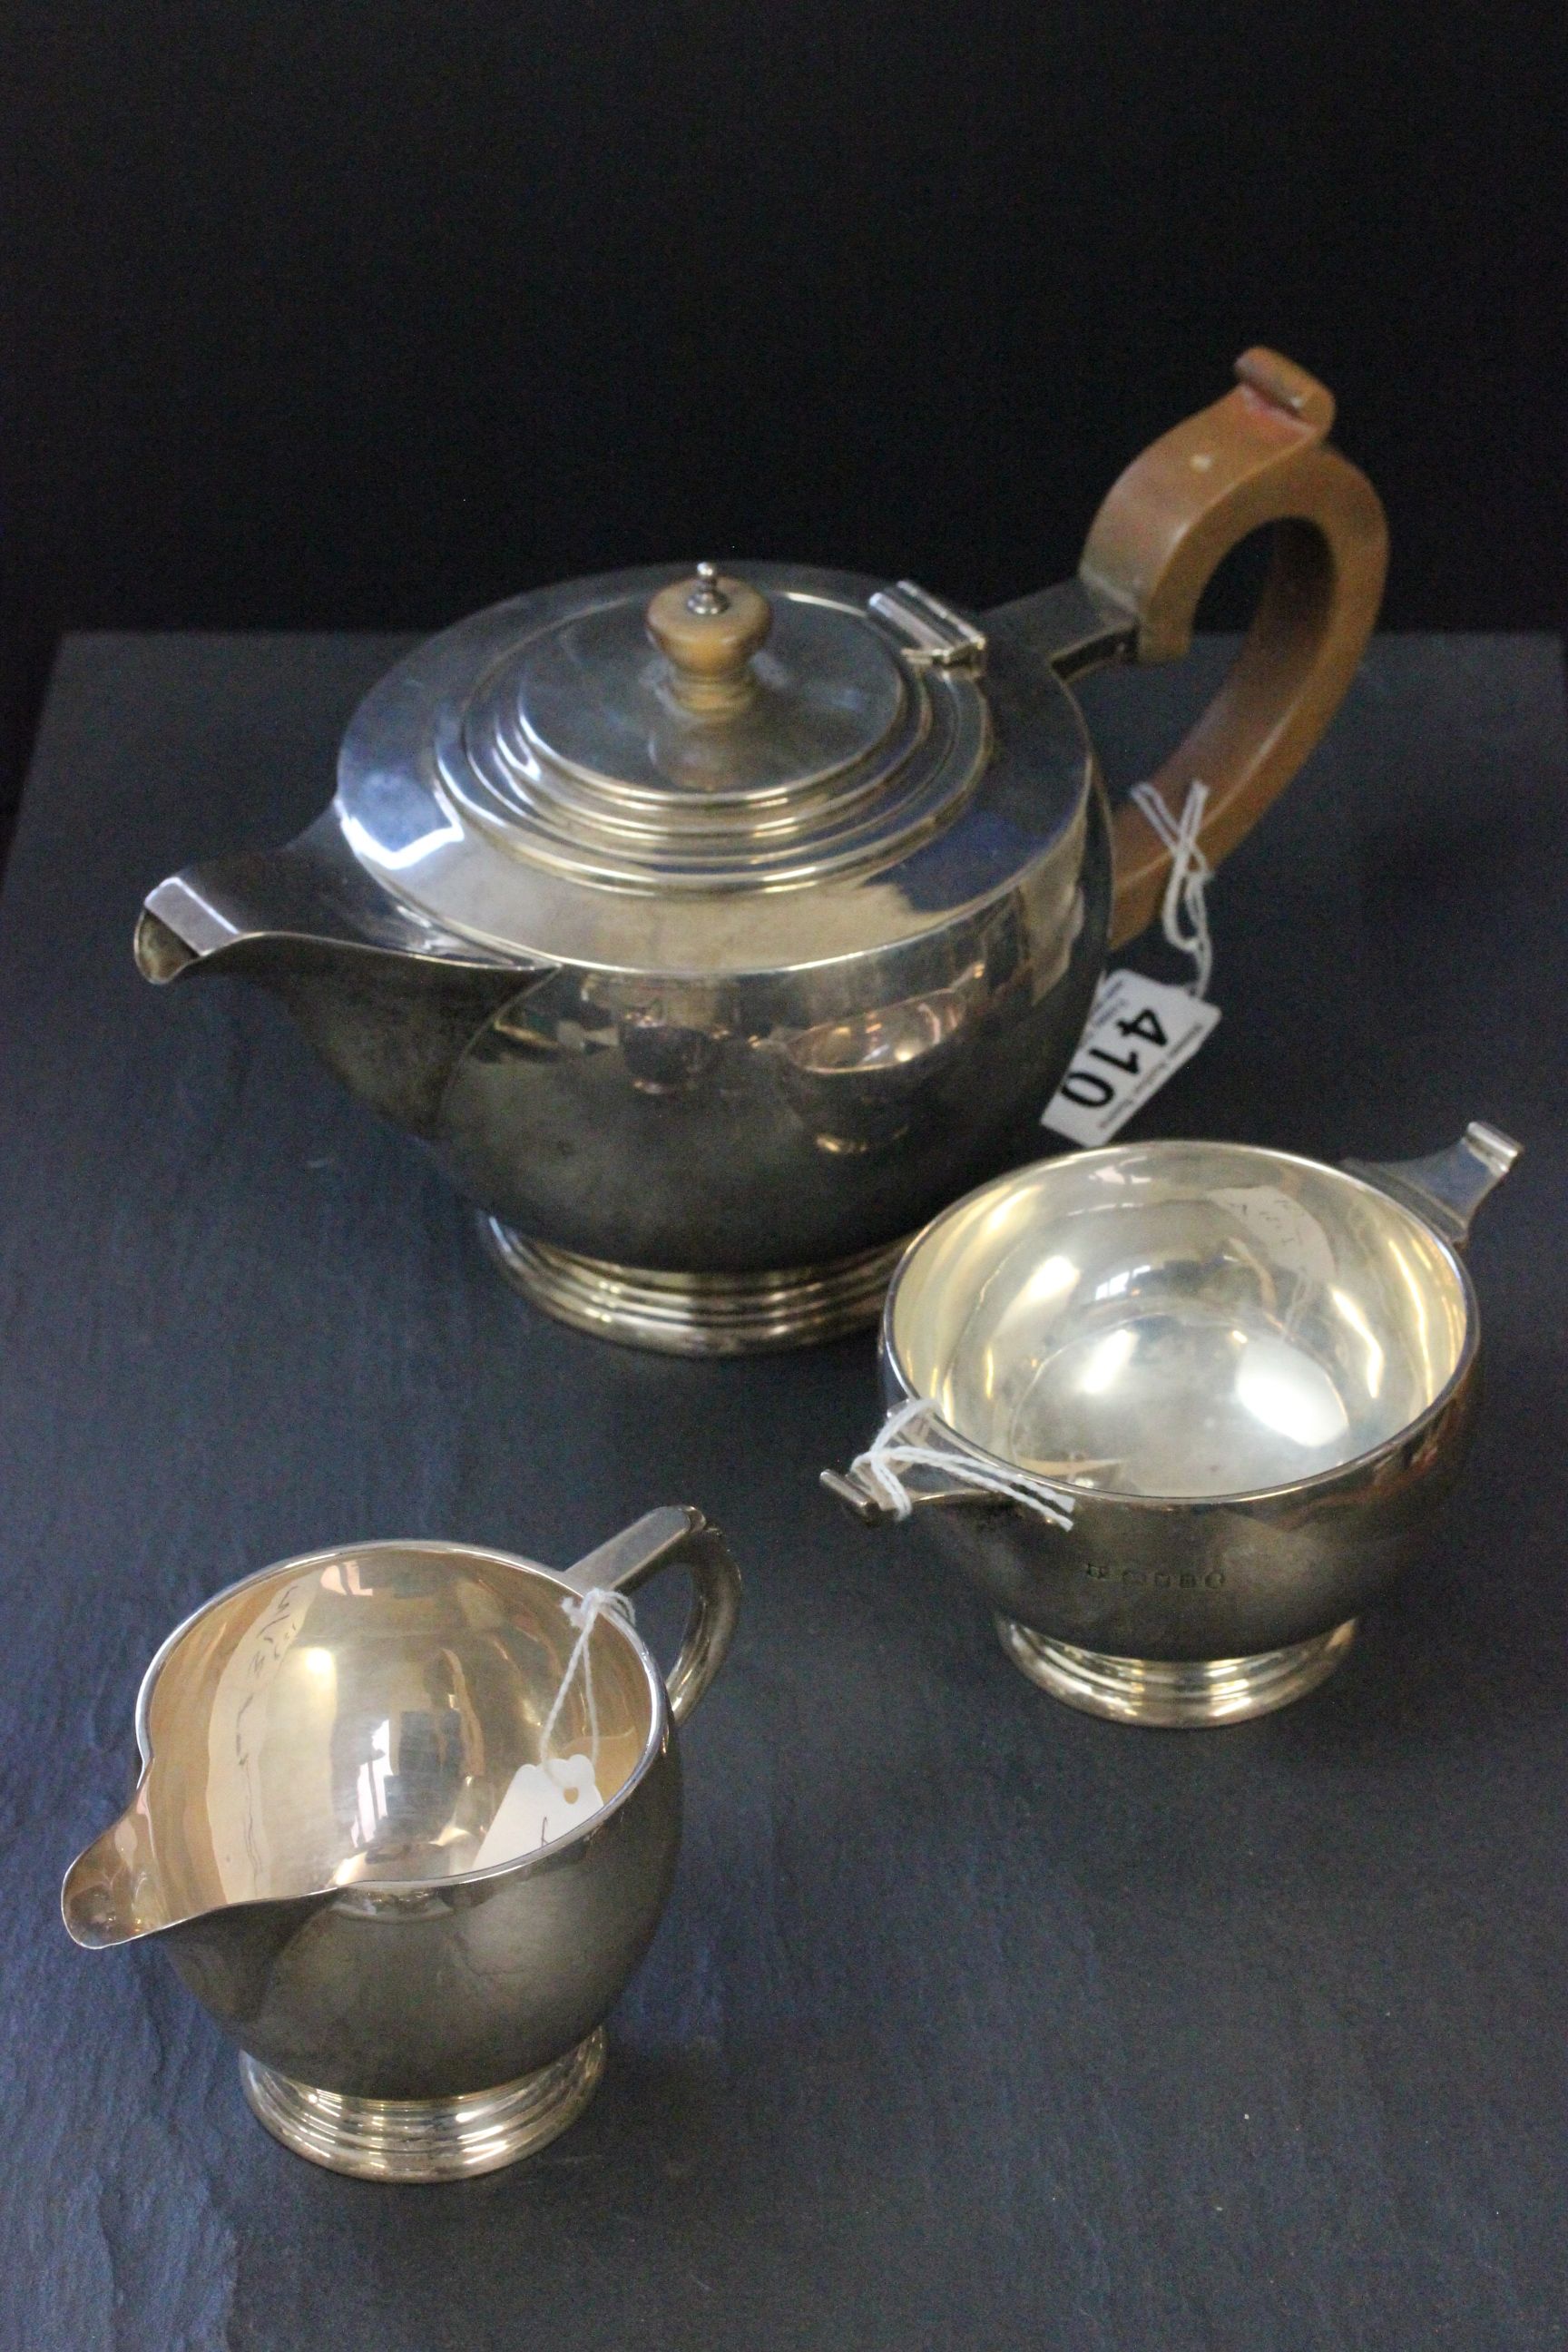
1139	1031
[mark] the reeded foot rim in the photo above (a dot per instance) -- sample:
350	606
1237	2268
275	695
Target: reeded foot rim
695	1314
426	2139
1175	1695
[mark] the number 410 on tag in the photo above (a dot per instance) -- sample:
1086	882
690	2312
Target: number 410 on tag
1138	1032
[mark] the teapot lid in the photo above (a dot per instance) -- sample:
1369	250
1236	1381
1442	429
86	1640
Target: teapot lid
687	736
724	732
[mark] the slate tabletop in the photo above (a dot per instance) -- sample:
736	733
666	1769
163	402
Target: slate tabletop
972	2022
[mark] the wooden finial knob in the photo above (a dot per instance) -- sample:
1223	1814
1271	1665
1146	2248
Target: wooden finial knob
708	628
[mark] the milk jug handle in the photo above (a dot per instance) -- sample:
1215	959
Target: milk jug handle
674	1537
1260	456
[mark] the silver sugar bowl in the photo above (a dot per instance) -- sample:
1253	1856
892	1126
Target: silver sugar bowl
1181	1411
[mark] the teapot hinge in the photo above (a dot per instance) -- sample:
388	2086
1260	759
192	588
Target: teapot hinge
936	636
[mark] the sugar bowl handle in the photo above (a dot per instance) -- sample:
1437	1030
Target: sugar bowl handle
675	1538
1260	456
917	1459
1446	1188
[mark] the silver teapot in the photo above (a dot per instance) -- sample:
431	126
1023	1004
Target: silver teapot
714	931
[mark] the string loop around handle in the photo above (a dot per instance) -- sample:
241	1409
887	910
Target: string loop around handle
1190	875
599	1601
898	1446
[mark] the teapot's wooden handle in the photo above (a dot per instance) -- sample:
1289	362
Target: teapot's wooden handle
1258	456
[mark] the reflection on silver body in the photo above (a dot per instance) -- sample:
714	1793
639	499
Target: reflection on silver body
323	1748
1254	1375
683	997
714	929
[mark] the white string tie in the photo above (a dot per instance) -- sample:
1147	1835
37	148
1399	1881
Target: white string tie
598	1601
898	1446
1190	875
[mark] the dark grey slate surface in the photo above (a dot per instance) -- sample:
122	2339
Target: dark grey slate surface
972	2022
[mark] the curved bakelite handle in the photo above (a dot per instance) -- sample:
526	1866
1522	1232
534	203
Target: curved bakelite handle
1258	456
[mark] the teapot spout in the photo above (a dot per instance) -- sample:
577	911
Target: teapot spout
113	1893
387	999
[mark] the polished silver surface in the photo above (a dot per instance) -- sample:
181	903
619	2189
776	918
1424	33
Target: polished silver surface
324	1747
426	2139
1174	1694
710	924
696	993
1448	1187
1180	1319
695	1314
1252	1374
938	637
830	756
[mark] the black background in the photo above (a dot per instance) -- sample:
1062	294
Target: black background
362	312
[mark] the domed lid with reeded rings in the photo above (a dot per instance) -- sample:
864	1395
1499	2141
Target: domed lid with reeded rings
690	737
